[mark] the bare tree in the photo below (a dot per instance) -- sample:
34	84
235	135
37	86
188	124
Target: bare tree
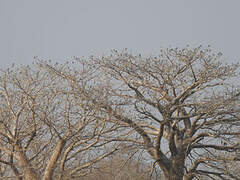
183	105
47	132
123	167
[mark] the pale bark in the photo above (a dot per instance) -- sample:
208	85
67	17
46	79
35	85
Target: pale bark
28	171
52	162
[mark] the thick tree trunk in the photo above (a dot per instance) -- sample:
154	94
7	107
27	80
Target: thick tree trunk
172	175
28	171
52	162
176	171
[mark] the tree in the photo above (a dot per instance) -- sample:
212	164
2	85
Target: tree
182	106
127	165
46	132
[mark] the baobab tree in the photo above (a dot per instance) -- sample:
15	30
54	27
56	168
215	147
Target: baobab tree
46	132
182	106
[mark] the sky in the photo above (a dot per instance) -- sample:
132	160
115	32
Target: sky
61	29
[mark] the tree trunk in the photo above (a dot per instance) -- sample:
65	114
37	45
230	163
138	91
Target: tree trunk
172	175
52	162
28	171
176	171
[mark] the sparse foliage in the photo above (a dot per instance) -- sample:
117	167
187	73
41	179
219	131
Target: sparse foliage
46	131
181	108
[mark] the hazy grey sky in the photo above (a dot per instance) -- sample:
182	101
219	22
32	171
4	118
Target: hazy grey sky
60	29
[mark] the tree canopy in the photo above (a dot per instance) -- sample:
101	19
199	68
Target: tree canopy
179	110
